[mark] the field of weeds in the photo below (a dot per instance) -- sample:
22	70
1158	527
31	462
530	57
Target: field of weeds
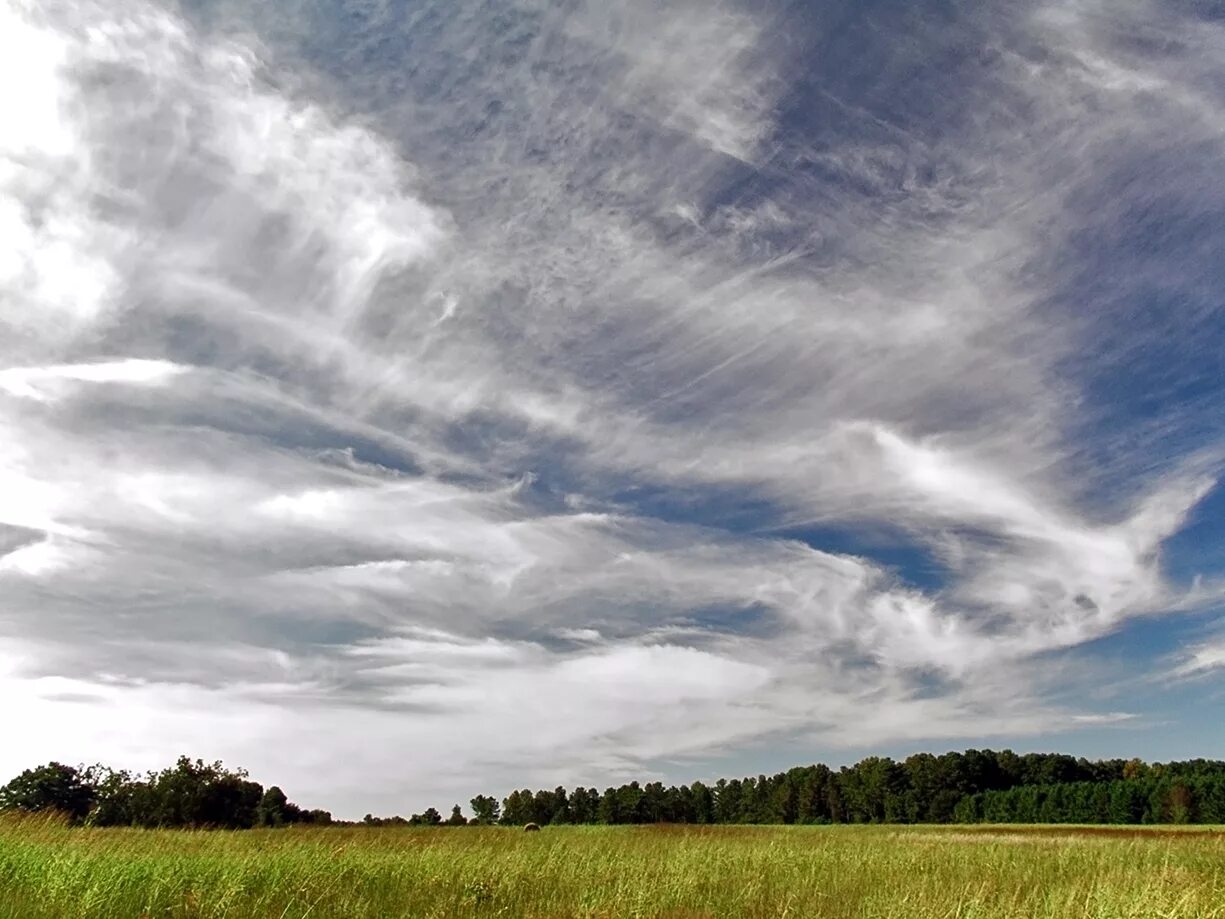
48	871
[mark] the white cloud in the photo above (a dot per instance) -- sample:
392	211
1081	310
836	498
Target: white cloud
36	559
40	383
363	422
1200	660
691	66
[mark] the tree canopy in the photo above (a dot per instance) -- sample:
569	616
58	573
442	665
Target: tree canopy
972	786
191	793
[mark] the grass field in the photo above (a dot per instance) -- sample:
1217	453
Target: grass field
48	871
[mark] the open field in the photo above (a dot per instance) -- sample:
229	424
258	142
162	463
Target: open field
47	871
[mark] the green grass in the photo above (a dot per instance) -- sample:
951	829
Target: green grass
47	870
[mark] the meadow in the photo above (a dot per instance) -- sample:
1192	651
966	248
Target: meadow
50	871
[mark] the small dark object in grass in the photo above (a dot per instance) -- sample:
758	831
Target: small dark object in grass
531	828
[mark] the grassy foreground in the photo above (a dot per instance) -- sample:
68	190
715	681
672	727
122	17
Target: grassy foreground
47	870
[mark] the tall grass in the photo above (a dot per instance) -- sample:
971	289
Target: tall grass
48	870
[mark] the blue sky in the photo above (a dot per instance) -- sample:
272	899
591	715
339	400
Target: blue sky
411	400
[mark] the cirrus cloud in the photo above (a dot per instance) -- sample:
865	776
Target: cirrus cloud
552	394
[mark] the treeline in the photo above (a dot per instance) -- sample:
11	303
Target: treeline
191	793
969	787
1154	798
975	786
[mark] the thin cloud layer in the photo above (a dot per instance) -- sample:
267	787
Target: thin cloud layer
462	400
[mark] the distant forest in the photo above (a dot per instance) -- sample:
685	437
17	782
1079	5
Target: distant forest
976	786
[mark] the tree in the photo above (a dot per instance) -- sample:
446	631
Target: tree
1135	769
629	802
430	817
118	798
785	799
814	804
544	806
727	801
870	789
485	809
1180	804
652	804
833	800
272	807
53	787
561	806
608	810
194	793
517	808
703	803
584	803
977	785
1127	800
969	809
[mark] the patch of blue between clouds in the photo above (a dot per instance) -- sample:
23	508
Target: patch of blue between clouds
910	563
1144	639
740	512
1199	547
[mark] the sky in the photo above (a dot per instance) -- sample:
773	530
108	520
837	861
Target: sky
410	400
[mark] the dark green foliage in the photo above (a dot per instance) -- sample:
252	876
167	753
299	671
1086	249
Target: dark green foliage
584	803
517	808
430	817
53	787
371	820
485	809
272	808
191	793
197	794
1171	793
971	787
116	797
702	803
